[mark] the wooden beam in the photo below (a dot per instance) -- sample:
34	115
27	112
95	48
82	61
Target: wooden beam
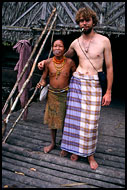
68	12
115	17
87	5
115	8
43	14
34	16
98	6
73	28
24	13
103	12
61	20
72	6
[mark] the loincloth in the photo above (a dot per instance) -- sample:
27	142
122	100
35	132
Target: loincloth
82	115
55	108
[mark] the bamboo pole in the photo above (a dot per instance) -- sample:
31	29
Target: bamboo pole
27	63
20	114
26	83
30	75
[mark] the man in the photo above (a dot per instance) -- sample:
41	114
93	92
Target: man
85	94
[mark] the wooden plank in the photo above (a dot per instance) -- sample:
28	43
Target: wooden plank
102	159
111	172
27	131
27	180
115	8
43	175
30	21
8	183
115	17
87	5
72	6
41	140
98	6
68	12
26	12
49	168
59	17
59	177
43	14
45	136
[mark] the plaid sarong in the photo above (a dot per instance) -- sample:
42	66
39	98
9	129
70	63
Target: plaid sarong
82	115
55	108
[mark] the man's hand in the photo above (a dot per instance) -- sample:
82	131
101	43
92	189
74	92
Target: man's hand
106	100
41	65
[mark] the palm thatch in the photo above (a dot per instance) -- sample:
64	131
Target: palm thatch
23	20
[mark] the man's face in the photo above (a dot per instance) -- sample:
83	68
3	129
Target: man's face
86	24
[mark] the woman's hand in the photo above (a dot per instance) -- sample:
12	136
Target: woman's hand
41	65
39	85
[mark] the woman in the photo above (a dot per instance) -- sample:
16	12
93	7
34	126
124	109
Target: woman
59	70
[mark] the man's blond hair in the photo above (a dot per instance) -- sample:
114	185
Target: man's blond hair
86	13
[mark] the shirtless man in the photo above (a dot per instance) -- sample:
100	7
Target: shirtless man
97	48
81	121
58	69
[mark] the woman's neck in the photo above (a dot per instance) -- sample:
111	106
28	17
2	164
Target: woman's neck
58	57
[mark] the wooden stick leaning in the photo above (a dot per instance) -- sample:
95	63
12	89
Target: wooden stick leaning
10	131
30	75
27	63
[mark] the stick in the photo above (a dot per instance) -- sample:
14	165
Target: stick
27	63
21	114
29	101
30	75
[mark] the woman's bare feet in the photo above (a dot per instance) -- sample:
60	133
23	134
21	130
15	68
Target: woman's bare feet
63	153
49	148
74	157
92	162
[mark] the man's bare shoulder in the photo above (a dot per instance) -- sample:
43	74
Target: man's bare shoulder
74	43
102	37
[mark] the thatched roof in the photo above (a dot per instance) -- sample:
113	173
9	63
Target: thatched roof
24	19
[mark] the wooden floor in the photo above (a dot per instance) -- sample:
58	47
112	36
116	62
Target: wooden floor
25	165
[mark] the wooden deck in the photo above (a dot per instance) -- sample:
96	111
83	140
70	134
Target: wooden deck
25	165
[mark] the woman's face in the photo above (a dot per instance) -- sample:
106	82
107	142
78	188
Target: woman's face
58	48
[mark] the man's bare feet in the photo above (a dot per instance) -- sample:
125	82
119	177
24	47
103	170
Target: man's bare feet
92	162
63	153
74	157
48	148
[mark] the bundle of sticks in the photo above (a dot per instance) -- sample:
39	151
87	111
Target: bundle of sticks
5	121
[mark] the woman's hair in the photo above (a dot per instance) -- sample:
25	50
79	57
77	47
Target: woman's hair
86	13
61	39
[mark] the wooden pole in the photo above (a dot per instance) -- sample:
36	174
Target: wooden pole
30	75
27	63
20	114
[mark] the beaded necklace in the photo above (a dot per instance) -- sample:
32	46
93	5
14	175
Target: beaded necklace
59	64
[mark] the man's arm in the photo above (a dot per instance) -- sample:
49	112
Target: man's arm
109	68
71	51
73	68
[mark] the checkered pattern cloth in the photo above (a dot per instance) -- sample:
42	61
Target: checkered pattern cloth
82	115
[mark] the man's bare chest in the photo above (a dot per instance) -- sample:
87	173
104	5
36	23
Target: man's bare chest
93	50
